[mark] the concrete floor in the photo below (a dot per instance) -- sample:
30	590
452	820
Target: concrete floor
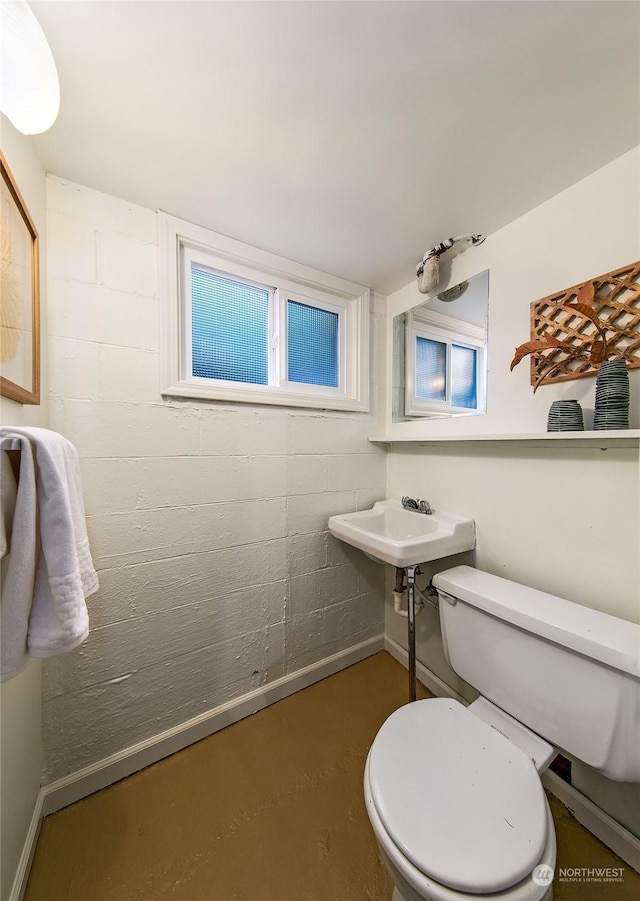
269	809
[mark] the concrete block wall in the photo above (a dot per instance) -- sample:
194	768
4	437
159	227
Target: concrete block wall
207	521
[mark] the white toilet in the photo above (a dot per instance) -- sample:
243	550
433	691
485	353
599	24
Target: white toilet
454	793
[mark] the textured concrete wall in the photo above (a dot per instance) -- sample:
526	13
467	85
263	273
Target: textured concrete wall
207	521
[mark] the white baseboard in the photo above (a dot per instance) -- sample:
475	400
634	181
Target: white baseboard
597	821
611	833
29	849
124	763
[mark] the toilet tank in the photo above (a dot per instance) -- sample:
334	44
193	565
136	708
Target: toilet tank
569	673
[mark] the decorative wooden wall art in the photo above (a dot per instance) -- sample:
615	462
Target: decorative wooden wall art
617	303
19	295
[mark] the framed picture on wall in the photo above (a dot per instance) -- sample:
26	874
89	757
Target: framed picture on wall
19	296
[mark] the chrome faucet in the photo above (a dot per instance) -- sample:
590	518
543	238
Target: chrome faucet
419	506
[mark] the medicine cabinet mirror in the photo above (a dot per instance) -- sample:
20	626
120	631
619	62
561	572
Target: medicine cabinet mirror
440	354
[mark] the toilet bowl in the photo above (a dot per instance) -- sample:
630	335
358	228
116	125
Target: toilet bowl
453	793
457	809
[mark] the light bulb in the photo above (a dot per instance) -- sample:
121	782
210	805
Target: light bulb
29	87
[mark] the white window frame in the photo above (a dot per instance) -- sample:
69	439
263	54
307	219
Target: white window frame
183	244
446	330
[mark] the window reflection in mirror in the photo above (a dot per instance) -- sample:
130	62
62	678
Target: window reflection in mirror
440	354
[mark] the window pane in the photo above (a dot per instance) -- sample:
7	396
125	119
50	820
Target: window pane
431	369
463	377
230	329
312	337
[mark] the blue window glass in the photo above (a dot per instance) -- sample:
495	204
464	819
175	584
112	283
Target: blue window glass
431	369
230	329
463	377
313	345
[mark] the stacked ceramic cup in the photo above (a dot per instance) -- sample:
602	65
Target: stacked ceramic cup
612	396
565	416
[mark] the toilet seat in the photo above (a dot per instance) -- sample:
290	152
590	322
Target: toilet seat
462	803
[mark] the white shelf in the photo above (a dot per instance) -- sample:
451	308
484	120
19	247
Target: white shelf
600	438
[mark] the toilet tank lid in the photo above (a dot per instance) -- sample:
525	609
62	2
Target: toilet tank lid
600	636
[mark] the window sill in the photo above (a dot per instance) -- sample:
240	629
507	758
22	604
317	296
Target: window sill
256	396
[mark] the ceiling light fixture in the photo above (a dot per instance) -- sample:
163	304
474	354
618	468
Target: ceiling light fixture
428	271
29	87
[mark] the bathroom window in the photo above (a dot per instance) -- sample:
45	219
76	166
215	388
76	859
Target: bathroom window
445	362
241	324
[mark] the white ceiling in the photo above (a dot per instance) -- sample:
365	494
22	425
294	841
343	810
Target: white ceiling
350	136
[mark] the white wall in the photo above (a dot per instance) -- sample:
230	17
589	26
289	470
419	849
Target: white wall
581	233
207	521
20	721
564	520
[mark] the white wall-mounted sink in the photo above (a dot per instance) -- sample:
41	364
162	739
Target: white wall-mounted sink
391	534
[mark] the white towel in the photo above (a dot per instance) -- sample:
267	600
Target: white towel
19	553
64	575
